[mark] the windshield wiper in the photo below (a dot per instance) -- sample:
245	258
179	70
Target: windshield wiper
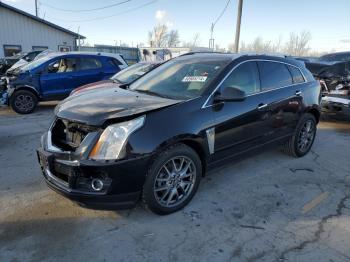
115	80
152	93
124	86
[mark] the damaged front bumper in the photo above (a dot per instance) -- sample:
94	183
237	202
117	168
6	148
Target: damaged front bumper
5	90
94	184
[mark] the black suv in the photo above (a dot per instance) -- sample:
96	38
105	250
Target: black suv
155	138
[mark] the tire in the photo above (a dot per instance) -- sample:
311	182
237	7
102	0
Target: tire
163	182
293	146
23	102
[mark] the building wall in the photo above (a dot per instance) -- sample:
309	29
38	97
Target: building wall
17	29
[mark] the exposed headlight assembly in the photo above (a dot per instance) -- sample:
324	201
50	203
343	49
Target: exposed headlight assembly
111	143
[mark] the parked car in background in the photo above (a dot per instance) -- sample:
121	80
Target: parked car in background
125	76
7	62
24	61
333	72
54	76
335	57
156	137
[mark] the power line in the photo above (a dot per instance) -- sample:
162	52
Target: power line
105	17
222	12
211	40
85	10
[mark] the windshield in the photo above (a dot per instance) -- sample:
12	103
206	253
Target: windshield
132	73
35	63
180	79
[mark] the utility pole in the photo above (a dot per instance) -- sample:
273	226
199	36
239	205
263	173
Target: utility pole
78	38
36	8
238	25
211	40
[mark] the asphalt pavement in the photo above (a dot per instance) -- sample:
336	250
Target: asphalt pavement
266	207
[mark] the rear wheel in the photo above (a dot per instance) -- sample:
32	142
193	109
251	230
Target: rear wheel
172	180
23	102
303	138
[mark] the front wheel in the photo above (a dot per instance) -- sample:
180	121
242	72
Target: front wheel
172	180
23	102
303	138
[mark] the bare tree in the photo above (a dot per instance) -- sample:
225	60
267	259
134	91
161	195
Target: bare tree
173	38
257	46
158	36
298	43
123	44
194	42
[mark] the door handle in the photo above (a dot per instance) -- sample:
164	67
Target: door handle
261	106
298	93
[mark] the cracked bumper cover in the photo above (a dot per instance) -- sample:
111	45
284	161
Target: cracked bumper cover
72	179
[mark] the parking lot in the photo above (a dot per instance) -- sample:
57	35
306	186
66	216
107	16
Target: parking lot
266	208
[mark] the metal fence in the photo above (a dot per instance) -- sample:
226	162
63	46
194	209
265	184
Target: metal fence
130	54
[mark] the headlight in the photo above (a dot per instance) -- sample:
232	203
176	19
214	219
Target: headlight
111	142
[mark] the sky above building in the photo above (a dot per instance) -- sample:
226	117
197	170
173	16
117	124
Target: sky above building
327	20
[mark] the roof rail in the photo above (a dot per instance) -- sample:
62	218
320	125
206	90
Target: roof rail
267	54
203	52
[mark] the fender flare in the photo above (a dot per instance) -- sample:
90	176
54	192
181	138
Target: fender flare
197	143
25	87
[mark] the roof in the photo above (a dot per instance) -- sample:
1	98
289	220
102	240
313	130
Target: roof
53	54
234	56
40	20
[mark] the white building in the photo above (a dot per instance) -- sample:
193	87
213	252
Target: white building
21	31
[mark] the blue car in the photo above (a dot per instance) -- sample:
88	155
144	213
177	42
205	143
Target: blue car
54	76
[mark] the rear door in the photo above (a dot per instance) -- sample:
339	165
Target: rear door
280	97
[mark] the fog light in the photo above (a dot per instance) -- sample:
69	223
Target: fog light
97	184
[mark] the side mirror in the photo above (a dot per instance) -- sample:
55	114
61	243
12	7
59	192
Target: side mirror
230	94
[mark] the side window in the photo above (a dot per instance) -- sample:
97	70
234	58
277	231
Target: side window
296	75
115	62
88	63
274	75
245	77
62	65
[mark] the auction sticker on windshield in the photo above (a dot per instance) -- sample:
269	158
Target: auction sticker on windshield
194	79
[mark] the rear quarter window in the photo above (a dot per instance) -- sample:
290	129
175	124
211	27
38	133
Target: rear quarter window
274	75
114	62
296	75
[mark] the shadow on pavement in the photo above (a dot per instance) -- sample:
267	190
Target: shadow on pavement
43	107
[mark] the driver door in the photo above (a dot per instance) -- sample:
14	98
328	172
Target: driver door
239	125
57	77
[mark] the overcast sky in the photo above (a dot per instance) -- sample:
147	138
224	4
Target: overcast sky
327	20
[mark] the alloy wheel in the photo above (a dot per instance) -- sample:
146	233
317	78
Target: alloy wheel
306	135
24	102
175	181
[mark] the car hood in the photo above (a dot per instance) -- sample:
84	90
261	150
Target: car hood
318	66
97	106
96	85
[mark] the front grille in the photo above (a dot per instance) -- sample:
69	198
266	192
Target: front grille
68	135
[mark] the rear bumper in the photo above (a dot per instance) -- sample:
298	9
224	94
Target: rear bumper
122	180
